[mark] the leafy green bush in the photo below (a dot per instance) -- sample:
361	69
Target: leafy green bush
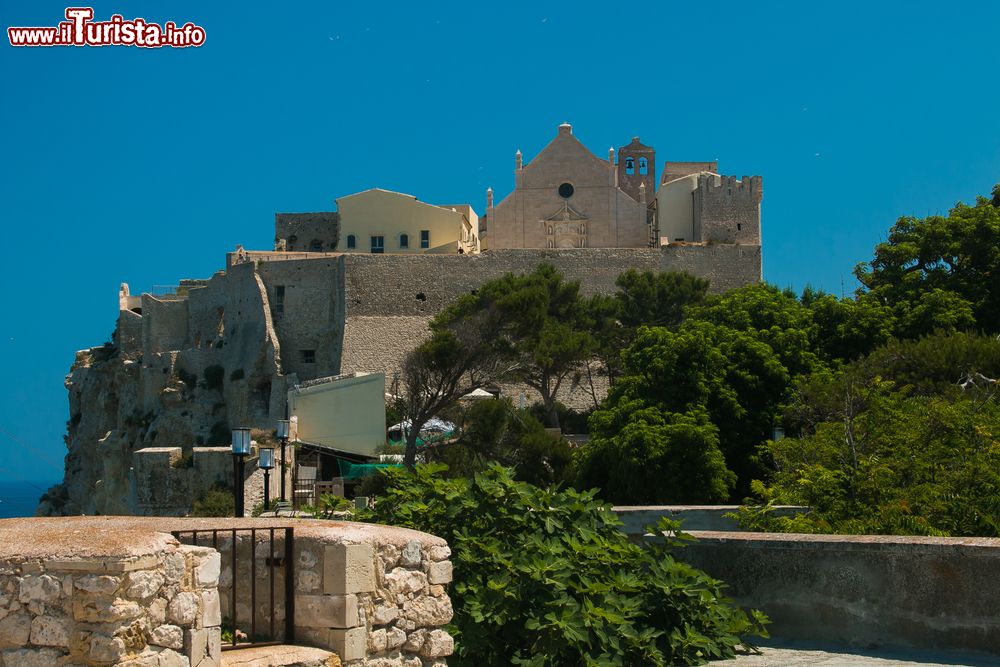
546	577
218	501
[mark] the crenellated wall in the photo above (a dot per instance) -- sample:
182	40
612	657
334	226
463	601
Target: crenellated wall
727	210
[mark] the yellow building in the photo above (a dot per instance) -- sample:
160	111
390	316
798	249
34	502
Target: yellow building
382	221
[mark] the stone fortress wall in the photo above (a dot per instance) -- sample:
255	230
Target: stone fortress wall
222	352
274	319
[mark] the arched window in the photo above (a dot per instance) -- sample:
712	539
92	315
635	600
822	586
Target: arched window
629	165
404	240
643	166
315	246
352	242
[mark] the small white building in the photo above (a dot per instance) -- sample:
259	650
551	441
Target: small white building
344	413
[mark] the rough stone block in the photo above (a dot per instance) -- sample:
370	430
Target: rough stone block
15	630
377	641
207	572
44	588
326	611
49	631
168	636
437	645
31	657
384	614
106	649
402	582
411	554
174	565
171	658
440	572
211	606
428	611
349	644
214	645
439	553
394	638
97	584
143	584
196	644
349	568
183	609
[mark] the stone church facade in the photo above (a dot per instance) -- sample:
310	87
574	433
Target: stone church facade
567	197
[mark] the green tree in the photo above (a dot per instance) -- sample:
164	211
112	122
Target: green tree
848	328
936	271
468	349
883	461
701	369
550	325
657	299
495	431
547	578
657	457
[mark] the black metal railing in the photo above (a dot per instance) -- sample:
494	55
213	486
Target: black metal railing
284	561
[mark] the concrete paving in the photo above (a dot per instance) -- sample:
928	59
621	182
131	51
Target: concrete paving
799	656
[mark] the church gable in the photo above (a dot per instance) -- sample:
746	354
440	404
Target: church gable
565	159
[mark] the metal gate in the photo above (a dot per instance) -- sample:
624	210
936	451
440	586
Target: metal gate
253	551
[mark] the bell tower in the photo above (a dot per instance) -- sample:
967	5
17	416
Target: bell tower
636	165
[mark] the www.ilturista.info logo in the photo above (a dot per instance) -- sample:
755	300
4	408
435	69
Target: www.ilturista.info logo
81	30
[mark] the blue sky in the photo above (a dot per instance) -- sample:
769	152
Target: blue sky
146	166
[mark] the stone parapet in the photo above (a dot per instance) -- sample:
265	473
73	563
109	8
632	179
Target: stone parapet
103	591
928	593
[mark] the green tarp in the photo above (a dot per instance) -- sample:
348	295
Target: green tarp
350	470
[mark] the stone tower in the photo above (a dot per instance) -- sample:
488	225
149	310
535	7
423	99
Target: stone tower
636	164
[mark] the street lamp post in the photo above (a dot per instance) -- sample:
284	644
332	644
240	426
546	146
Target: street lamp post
266	463
283	437
241	448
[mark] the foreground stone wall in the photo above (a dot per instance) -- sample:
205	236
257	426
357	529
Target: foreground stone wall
157	607
102	591
862	590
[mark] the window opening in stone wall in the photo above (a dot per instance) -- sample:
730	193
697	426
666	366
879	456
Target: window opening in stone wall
421	296
279	299
315	246
629	165
378	244
566	190
262	397
352	241
643	166
739	227
404	240
308	356
425	238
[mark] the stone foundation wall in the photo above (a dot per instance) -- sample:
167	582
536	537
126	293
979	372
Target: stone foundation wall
153	610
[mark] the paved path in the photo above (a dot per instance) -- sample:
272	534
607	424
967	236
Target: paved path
811	657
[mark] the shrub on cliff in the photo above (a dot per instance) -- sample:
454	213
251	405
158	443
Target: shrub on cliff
545	577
